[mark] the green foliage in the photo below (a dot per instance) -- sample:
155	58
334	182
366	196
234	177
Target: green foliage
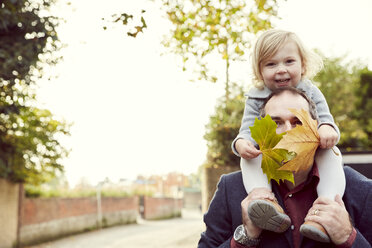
33	191
363	105
28	39
29	150
223	27
222	128
338	82
264	133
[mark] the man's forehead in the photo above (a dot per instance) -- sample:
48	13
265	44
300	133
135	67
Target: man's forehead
280	104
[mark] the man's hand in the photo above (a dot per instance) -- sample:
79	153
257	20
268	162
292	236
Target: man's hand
257	193
328	136
246	149
332	215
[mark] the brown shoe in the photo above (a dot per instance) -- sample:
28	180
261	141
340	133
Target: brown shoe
268	215
314	231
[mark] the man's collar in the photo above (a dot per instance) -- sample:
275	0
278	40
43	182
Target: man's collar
313	177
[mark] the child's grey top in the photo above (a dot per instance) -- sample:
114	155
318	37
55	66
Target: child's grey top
256	97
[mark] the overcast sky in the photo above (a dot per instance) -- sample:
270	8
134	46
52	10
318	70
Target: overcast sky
134	111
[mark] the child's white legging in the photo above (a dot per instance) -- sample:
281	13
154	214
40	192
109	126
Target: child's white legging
330	167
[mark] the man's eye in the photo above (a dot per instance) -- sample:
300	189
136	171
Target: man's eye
298	122
278	123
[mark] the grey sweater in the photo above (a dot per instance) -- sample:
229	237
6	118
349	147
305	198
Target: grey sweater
256	97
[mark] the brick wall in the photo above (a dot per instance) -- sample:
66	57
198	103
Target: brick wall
30	221
160	208
43	210
112	204
40	210
47	219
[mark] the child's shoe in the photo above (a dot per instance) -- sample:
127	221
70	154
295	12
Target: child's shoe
268	215
314	231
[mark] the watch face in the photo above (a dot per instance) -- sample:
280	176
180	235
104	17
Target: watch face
241	237
239	233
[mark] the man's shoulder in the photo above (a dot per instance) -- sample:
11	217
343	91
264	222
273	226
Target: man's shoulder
356	183
232	176
354	175
233	181
232	186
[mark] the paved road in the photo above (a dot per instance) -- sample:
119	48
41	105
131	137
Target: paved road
174	233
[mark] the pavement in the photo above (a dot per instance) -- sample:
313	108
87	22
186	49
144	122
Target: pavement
172	233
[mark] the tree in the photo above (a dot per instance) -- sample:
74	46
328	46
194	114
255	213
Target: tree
338	82
127	20
204	28
29	148
363	105
222	129
207	27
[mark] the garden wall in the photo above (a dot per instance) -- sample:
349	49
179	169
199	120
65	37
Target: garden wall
161	208
46	219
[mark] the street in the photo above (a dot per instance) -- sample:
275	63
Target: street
173	233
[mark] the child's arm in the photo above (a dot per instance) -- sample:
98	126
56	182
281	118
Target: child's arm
246	144
328	130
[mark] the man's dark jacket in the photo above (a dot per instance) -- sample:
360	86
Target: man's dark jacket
224	213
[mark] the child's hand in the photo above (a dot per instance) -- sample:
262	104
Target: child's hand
328	136
246	149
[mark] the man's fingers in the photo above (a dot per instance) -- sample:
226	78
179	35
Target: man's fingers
261	193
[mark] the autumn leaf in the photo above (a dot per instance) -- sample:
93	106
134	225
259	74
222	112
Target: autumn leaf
303	140
264	133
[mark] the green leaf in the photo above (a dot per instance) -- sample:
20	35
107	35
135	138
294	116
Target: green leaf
264	133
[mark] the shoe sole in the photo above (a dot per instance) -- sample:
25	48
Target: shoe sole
314	233
265	216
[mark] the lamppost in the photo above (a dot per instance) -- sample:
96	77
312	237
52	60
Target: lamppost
99	205
99	202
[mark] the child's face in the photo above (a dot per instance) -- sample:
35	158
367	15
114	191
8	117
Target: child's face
284	68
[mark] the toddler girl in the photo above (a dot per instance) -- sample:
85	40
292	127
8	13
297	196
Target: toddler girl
280	59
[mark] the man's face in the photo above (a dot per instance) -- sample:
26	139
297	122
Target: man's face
277	107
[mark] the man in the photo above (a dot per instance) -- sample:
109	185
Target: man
348	221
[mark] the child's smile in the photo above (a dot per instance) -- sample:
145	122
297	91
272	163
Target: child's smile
284	68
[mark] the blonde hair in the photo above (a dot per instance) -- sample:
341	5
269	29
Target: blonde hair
270	42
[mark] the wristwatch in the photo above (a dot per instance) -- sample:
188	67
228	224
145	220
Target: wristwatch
241	237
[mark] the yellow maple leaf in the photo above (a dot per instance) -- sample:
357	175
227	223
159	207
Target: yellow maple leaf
303	140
